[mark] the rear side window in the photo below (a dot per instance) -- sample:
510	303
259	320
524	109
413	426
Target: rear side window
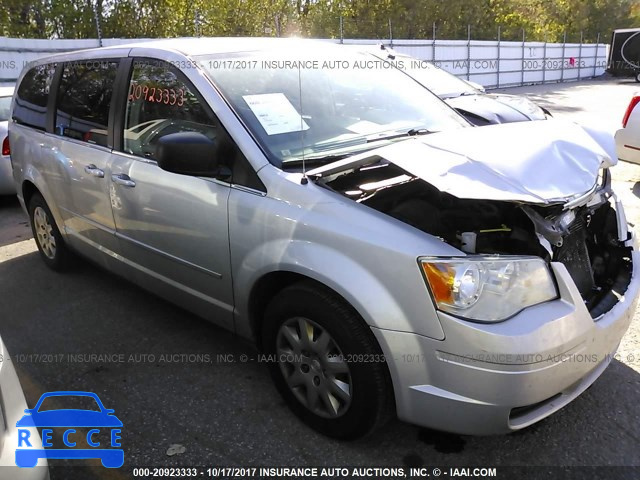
84	98
31	101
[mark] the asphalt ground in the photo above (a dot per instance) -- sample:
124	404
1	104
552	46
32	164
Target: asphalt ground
173	378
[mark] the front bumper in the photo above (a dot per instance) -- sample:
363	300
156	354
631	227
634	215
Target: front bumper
13	405
496	378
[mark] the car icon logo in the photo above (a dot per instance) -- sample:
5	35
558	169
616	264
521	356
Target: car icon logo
97	421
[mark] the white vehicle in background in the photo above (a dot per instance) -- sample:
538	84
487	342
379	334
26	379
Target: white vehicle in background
7	186
468	98
628	137
12	407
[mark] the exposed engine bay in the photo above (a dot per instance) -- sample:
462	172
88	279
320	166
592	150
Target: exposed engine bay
584	234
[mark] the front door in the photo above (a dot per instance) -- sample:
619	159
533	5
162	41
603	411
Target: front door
172	229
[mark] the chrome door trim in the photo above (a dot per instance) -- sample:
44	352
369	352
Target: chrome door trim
250	190
130	156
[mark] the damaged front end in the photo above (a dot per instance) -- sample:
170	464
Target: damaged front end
585	232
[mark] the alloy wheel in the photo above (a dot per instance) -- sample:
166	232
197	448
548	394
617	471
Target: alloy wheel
44	232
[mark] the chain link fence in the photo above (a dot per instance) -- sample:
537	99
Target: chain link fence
498	62
491	63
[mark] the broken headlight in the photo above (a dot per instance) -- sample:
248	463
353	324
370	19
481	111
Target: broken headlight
488	289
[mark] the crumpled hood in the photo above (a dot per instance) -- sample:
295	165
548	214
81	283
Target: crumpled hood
521	104
493	109
534	162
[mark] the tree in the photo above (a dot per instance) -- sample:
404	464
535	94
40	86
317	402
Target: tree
318	18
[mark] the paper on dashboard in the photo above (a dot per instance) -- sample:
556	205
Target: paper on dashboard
275	113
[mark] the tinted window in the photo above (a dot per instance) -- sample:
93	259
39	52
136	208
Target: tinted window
33	94
84	97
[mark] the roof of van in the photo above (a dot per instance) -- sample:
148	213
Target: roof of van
213	45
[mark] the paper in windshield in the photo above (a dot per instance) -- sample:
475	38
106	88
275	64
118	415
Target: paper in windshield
275	113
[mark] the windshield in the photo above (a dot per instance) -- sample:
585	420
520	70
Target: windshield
5	107
322	105
439	81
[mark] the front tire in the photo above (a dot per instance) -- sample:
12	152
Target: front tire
326	363
50	243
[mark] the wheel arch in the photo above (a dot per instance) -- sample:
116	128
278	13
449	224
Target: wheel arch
375	299
266	288
29	188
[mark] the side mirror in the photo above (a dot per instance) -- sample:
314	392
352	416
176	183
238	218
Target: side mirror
188	153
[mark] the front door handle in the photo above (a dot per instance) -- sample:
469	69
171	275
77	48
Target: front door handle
123	179
95	171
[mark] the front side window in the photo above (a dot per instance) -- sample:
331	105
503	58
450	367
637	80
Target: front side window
84	98
33	94
161	101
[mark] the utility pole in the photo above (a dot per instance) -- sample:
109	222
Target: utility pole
97	19
197	24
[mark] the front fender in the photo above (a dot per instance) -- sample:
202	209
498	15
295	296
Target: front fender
359	286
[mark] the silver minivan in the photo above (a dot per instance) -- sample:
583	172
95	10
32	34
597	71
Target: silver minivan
386	256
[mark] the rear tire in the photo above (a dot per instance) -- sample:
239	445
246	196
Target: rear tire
50	243
637	76
326	362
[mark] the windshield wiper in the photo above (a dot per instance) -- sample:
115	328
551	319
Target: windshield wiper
315	161
318	160
412	132
458	95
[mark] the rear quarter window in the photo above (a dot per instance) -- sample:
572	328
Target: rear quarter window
33	94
